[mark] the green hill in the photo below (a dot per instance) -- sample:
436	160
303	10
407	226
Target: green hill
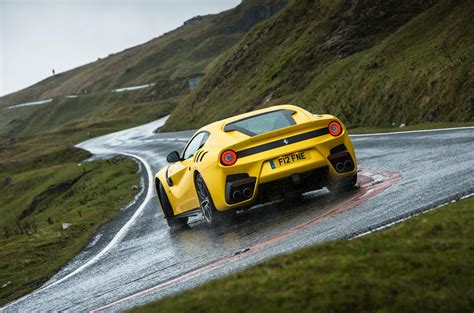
372	63
170	62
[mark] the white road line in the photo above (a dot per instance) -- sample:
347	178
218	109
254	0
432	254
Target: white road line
412	131
111	244
408	217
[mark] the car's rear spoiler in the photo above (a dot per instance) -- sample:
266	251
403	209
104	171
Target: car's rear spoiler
291	130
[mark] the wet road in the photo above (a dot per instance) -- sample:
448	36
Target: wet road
136	258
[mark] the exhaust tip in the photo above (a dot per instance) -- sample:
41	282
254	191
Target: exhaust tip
340	167
247	192
349	165
237	195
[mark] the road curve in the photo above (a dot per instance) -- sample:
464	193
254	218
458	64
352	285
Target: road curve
136	258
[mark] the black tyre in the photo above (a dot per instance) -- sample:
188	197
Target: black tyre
211	215
168	210
344	184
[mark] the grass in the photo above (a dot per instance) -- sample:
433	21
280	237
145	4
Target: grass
421	265
84	116
35	204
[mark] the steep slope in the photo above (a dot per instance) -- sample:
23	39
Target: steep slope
182	53
369	62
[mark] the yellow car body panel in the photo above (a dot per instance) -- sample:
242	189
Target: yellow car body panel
256	156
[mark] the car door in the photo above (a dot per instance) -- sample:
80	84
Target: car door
182	175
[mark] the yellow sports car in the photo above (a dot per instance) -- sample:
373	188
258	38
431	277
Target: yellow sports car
256	157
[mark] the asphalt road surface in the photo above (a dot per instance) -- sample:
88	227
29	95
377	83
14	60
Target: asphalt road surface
136	258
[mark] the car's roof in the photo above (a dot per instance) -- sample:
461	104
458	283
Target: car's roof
219	125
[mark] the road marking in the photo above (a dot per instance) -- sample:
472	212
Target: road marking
357	199
412	131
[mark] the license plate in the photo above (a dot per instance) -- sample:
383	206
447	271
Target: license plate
289	159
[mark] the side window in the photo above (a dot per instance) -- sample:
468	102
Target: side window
194	145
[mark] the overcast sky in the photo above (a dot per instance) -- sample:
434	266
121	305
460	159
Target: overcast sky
40	35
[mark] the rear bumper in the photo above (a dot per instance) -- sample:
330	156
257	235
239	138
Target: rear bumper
296	183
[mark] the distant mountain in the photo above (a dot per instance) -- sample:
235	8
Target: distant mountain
173	64
370	62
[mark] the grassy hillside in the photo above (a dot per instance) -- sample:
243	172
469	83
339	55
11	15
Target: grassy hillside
98	113
167	61
422	265
371	63
42	186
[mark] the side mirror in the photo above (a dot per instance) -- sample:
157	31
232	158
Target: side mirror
173	157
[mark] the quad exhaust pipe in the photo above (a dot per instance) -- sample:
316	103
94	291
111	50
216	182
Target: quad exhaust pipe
341	159
237	195
345	166
247	192
239	188
240	195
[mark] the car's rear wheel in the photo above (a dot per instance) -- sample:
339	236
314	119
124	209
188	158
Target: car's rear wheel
211	215
343	184
168	210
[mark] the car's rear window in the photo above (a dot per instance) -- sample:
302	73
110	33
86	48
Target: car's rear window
262	123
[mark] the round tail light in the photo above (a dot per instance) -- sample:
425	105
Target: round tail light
228	157
335	128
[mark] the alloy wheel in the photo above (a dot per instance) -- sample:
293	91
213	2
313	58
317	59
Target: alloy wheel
204	199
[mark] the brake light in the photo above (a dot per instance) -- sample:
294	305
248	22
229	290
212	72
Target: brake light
228	157
335	128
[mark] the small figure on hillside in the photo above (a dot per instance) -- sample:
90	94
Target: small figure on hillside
54	72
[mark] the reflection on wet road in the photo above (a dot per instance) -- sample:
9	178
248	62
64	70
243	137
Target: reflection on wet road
136	258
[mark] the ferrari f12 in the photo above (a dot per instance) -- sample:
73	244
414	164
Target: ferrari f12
256	157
